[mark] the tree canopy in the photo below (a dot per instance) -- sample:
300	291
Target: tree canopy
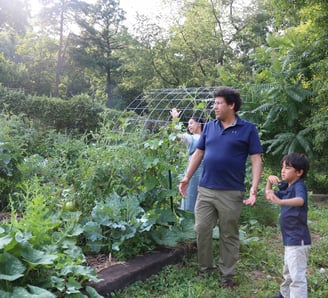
274	50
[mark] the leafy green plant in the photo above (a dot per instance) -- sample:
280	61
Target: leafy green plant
114	221
38	251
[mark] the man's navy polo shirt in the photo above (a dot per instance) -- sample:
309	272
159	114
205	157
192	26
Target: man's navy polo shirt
293	220
226	152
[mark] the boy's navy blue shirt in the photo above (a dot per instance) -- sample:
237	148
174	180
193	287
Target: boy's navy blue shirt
226	151
293	220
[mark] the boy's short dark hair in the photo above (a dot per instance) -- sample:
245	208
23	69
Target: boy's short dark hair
298	161
230	95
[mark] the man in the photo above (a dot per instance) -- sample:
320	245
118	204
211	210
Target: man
224	147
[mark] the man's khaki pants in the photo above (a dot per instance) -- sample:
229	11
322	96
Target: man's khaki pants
222	208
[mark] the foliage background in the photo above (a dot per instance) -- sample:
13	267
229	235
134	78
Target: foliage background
72	183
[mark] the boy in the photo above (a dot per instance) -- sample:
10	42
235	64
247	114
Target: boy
292	197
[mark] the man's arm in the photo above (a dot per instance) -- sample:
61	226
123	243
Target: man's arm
256	160
193	165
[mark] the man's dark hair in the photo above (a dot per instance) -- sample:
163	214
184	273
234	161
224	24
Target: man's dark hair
298	161
230	95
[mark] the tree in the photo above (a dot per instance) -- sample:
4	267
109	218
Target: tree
63	13
102	35
206	44
291	79
38	54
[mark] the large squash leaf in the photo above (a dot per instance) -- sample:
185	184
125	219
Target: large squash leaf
11	268
37	257
32	292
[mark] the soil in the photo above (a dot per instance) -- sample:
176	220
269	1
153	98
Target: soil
100	262
5	216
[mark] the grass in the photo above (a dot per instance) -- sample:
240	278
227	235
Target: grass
258	274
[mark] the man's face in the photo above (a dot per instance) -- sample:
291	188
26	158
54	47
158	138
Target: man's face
221	109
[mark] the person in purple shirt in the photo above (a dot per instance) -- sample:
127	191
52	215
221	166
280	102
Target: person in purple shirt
223	147
293	199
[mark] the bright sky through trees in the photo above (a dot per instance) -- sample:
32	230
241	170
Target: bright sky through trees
131	7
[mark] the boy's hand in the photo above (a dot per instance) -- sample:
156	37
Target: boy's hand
273	179
270	196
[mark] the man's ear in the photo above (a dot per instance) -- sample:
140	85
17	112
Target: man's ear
299	173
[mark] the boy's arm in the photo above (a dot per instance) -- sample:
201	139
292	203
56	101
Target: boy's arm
294	202
270	196
269	193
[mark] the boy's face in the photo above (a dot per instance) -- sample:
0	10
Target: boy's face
290	174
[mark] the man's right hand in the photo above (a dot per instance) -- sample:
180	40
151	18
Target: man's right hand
183	186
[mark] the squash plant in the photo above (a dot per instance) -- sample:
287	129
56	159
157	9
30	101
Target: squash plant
38	252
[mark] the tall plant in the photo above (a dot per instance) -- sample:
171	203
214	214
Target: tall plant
284	97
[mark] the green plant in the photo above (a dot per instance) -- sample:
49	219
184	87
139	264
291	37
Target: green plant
114	221
38	251
317	181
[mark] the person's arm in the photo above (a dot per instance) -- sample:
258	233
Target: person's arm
270	195
175	120
256	160
193	165
293	202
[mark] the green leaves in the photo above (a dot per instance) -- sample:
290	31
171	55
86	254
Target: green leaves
114	221
289	142
5	240
28	292
31	265
37	257
11	268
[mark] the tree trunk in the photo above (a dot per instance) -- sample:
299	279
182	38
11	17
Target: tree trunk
59	56
109	86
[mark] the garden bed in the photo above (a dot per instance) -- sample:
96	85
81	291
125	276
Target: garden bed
118	275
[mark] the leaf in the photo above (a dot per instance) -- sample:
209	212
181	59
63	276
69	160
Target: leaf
37	257
165	237
298	93
92	292
11	268
58	283
93	231
150	182
79	270
73	286
32	292
4	294
5	241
